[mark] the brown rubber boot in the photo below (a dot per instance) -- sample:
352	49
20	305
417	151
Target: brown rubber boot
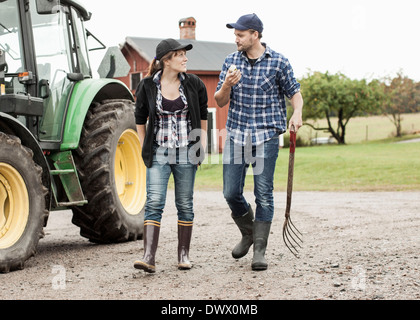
245	225
184	240
150	240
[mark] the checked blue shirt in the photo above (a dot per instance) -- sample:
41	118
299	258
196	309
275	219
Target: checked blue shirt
257	103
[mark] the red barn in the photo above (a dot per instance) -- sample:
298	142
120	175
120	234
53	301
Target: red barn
205	60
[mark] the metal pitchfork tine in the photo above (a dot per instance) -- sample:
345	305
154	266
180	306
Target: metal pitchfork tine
291	235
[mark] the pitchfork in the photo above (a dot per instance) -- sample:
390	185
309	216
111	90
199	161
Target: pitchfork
291	235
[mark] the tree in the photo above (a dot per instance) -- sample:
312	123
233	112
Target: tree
335	95
402	96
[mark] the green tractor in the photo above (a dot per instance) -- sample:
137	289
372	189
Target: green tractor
67	140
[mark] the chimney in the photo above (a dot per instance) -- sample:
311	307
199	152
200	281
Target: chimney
187	28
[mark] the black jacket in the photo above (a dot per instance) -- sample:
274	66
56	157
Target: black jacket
196	94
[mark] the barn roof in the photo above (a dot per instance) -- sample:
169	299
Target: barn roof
205	55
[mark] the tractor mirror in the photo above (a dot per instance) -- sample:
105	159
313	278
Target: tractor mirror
47	6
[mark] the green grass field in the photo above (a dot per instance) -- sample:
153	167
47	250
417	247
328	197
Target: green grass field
375	166
362	129
379	165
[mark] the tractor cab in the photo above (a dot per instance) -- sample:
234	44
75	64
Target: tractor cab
46	54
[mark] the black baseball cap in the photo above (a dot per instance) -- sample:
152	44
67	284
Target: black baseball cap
168	45
247	22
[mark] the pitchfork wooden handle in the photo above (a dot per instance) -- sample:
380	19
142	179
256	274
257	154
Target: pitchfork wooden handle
291	169
292	141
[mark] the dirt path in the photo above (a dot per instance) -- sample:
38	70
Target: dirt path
356	246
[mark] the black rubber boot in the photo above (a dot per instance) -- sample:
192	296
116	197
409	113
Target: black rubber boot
150	240
261	233
245	225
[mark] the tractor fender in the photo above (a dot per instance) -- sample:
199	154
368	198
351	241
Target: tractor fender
84	94
13	126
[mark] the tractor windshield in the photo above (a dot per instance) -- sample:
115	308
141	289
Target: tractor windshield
60	48
11	43
54	58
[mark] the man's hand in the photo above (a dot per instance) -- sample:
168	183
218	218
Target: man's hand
233	78
296	121
223	95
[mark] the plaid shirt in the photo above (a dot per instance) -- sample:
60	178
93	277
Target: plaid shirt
171	128
257	105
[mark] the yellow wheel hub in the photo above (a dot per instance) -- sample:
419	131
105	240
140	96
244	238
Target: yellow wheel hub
14	206
130	173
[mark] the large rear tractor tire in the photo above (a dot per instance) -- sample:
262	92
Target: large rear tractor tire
112	175
22	204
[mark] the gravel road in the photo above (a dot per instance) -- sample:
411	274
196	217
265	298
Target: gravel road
356	246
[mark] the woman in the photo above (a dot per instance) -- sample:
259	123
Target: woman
171	117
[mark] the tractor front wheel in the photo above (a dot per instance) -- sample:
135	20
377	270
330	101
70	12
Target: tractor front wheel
22	204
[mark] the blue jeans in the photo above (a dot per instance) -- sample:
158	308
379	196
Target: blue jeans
236	162
157	178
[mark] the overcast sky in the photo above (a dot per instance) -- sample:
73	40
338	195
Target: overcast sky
362	39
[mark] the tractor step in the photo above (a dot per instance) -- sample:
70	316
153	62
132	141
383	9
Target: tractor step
66	170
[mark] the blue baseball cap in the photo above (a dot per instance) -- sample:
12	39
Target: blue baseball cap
246	22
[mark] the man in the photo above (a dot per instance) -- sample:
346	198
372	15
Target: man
255	80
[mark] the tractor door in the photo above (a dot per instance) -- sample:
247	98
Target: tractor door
11	43
61	55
